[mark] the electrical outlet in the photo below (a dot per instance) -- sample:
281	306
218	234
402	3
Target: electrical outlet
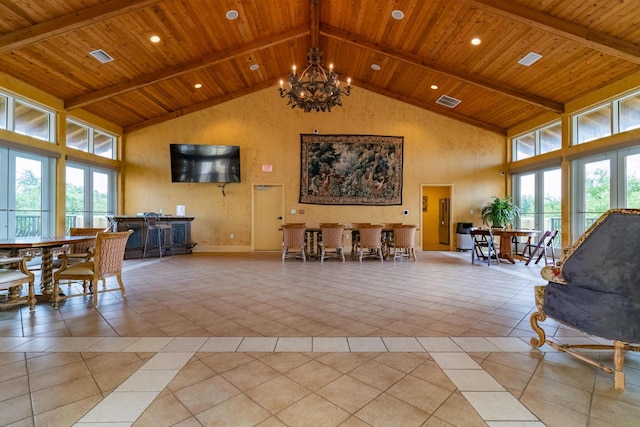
231	236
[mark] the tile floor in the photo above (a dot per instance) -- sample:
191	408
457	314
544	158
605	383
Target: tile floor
244	340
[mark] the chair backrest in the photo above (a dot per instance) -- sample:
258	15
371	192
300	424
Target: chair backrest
87	245
332	235
480	235
404	235
109	254
293	235
150	218
370	235
357	225
390	225
551	237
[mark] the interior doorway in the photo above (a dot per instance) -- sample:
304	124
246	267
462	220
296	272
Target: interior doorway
268	214
437	226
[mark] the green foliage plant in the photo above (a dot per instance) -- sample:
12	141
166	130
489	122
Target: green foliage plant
500	212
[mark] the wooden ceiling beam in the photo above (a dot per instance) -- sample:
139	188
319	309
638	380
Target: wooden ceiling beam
55	27
415	60
443	111
585	36
315	23
171	72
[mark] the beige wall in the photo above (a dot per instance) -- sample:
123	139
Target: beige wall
437	151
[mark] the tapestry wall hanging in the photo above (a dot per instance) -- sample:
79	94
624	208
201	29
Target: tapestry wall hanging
351	169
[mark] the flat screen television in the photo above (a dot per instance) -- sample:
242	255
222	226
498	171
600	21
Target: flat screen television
205	163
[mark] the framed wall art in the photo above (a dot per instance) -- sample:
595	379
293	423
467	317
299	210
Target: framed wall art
351	169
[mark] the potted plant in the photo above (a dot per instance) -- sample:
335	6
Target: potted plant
500	212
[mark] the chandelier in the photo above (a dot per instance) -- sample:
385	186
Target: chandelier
315	89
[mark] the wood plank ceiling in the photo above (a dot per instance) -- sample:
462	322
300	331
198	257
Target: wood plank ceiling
585	44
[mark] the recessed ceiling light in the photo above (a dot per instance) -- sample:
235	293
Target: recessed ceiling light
397	14
434	87
232	14
254	67
154	39
529	59
375	67
197	85
476	41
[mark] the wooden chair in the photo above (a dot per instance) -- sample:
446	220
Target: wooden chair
332	238
107	262
82	251
370	237
483	239
14	274
404	240
355	237
293	237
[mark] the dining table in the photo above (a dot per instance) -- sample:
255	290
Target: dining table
506	237
48	246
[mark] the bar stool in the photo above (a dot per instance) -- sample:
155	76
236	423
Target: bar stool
151	221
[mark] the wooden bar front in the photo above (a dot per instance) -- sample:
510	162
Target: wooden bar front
180	230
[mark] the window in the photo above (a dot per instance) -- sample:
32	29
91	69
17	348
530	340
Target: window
3	112
594	124
77	136
27	202
602	182
19	116
85	138
90	195
538	142
32	121
629	113
538	194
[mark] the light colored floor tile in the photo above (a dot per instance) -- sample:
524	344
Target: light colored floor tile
148	380
475	344
511	344
297	344
368	344
402	344
112	344
438	344
330	344
40	344
498	406
184	344
455	361
515	424
473	380
258	344
221	344
168	361
150	344
8	343
75	344
120	407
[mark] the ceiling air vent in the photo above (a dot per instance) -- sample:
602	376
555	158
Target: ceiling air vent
448	101
102	56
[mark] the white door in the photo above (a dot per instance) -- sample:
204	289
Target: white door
268	214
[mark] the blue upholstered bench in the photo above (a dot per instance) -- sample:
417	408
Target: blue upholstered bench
595	289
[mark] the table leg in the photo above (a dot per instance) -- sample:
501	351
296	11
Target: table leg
505	249
46	286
